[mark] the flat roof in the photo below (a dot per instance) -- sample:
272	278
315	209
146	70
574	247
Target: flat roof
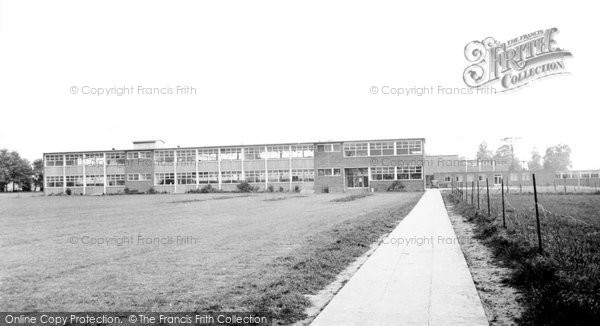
233	146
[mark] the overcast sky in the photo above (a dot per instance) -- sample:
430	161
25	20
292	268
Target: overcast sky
285	71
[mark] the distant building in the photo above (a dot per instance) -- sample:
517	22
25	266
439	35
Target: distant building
333	166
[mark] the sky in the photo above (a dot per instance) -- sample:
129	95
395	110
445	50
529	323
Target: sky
285	71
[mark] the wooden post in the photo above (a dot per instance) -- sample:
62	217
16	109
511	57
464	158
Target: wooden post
477	194
472	191
503	211
487	186
565	184
537	215
520	188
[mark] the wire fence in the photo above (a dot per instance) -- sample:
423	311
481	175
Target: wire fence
568	238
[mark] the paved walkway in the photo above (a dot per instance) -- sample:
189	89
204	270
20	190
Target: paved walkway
418	276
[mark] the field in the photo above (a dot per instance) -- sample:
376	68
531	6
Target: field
561	280
176	252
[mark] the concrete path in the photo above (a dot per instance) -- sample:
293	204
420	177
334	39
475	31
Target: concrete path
418	276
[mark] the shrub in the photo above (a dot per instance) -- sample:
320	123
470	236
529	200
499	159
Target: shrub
152	191
270	188
396	186
126	190
297	188
281	189
208	189
245	186
68	191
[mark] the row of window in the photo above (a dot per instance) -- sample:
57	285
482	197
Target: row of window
382	148
383	173
236	153
482	177
577	175
91	181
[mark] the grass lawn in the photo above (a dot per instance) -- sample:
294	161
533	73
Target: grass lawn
233	248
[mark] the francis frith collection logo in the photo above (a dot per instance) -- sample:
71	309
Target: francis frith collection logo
516	62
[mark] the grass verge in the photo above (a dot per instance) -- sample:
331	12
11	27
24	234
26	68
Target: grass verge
351	198
555	293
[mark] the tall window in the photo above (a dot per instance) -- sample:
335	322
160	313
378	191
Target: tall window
139	155
74	181
73	159
253	153
164	156
231	153
115	158
279	175
115	180
329	172
164	178
409	147
280	151
186	178
356	149
303	175
186	155
54	160
381	148
208	177
231	176
208	154
94	159
94	180
414	173
54	181
382	173
255	176
303	151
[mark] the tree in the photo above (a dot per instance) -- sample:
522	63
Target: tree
38	173
505	156
535	163
483	154
557	158
14	169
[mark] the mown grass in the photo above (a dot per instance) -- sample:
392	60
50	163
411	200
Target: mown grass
350	198
562	284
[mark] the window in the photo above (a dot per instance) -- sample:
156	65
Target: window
186	178
381	148
139	177
383	173
497	179
594	175
54	181
278	152
253	153
303	175
115	180
409	147
164	178
585	175
186	156
303	151
164	156
208	177
54	160
412	173
356	149
139	155
255	176
207	154
279	175
74	181
231	176
94	180
94	159
328	148
447	178
115	158
231	153
481	177
470	177
329	172
514	177
525	176
73	159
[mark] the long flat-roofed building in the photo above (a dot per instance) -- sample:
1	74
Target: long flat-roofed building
333	166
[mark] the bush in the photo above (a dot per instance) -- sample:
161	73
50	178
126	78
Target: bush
208	189
68	191
281	189
396	186
245	186
126	190
152	191
297	188
270	188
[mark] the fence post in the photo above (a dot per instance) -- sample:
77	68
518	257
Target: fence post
565	183
555	185
477	194
537	214
487	186
472	191
503	211
520	188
